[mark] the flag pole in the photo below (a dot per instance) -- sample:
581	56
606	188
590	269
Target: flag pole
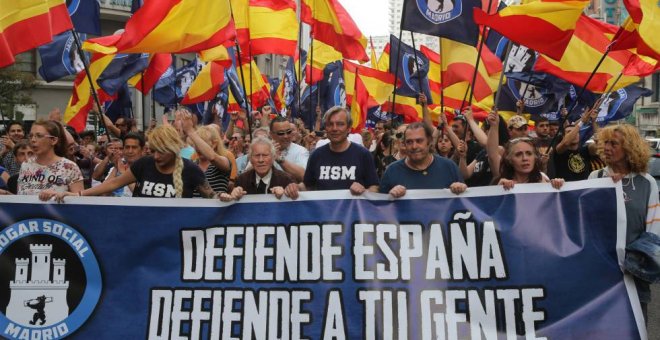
419	78
396	71
442	85
299	73
499	84
144	116
311	76
577	98
476	67
91	83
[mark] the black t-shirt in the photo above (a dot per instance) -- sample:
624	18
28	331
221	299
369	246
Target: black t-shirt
573	165
153	183
481	176
329	170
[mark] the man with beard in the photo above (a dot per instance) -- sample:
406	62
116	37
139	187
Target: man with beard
420	169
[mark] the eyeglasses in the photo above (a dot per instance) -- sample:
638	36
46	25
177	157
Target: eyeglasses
39	136
282	133
399	135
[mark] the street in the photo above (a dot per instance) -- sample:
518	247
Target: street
654	313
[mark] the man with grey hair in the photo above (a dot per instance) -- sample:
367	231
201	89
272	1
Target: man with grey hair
263	178
340	164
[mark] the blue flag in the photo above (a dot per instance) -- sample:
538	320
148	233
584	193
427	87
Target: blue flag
218	106
60	57
376	114
121	68
185	77
121	106
620	104
539	91
333	90
164	92
85	15
412	70
307	109
451	19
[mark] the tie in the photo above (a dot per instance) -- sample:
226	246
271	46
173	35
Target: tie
261	188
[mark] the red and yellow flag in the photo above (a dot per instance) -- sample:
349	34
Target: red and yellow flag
384	60
589	43
435	80
645	18
324	54
207	84
332	25
159	63
81	101
255	87
27	24
406	107
273	27
378	84
359	105
458	66
171	26
545	26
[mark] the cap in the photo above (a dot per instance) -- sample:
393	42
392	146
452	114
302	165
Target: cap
517	122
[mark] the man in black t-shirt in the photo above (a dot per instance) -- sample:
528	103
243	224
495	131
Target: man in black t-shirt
339	164
572	161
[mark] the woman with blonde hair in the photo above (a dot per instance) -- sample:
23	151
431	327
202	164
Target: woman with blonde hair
165	174
210	151
626	155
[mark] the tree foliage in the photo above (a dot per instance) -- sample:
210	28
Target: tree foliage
15	89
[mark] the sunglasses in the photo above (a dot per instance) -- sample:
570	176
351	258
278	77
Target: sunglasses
282	133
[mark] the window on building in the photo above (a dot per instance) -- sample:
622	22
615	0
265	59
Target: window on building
26	62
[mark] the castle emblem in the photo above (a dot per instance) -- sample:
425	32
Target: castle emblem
37	299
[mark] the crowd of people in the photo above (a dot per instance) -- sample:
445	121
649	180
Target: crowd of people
269	154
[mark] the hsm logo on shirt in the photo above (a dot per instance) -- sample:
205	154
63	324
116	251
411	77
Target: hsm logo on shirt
337	172
158	189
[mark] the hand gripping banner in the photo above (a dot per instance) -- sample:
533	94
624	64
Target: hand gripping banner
532	263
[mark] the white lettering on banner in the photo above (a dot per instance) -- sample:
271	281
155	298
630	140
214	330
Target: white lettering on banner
48	227
51	332
337	172
277	312
464	250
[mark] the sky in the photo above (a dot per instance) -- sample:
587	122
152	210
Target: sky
369	15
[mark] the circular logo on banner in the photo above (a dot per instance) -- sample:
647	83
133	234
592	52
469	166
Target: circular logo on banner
611	105
410	68
52	282
439	11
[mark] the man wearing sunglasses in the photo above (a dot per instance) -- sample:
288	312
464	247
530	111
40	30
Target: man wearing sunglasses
290	156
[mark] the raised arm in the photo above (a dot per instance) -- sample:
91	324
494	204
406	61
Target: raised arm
204	148
492	144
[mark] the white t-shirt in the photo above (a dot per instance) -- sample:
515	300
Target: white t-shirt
34	177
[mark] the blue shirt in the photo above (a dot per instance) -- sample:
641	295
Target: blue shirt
329	170
439	175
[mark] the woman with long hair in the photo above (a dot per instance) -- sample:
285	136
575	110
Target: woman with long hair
49	168
211	152
626	156
165	174
520	161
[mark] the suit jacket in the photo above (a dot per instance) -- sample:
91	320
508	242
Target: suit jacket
247	181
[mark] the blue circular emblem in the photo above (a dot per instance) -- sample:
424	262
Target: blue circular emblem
53	284
439	11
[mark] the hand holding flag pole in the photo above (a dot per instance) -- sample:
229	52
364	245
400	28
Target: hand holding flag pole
580	93
91	83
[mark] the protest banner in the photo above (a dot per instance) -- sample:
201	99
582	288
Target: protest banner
533	263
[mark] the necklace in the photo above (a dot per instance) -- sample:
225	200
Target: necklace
424	169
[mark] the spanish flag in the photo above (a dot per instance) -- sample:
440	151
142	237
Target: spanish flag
255	87
406	107
273	27
458	66
332	25
324	54
159	63
359	105
384	59
589	43
378	84
81	101
207	84
435	80
645	16
171	26
27	24
545	26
